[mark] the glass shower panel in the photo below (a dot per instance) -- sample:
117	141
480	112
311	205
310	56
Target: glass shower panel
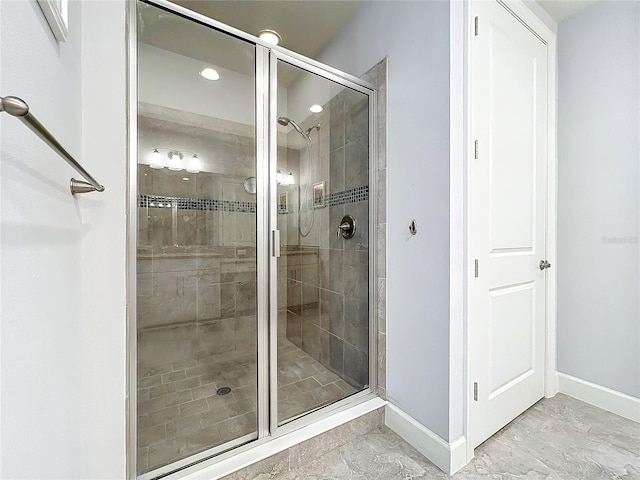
196	277
323	270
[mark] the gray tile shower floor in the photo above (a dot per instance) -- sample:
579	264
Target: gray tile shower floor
557	439
180	413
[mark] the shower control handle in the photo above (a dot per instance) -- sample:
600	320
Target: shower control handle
347	227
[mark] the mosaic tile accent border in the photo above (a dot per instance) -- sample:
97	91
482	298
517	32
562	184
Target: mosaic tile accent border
353	195
158	201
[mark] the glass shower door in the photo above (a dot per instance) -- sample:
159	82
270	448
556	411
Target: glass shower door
197	256
322	198
223	356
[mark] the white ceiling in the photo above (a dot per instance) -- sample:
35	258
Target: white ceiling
561	9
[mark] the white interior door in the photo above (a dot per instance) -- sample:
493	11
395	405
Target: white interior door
507	219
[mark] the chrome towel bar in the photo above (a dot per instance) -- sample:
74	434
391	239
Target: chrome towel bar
18	108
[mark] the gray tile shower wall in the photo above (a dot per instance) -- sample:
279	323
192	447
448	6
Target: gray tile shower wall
326	308
196	242
377	75
327	276
178	284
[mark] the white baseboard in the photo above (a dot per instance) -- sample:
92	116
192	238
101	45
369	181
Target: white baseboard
449	457
611	400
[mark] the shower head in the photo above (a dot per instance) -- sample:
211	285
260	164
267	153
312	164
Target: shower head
309	130
284	121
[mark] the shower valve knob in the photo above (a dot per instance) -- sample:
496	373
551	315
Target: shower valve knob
347	227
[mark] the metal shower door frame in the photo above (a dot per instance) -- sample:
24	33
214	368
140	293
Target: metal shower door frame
266	56
354	83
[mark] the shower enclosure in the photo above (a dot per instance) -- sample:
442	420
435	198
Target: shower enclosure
253	258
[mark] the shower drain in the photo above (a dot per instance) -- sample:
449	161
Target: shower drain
223	391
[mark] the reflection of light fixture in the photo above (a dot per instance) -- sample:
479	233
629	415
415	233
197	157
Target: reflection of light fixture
251	185
270	36
315	108
156	160
175	162
194	164
209	73
285	179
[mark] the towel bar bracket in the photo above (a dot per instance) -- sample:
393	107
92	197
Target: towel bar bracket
80	186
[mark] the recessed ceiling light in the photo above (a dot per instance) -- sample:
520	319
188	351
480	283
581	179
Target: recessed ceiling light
315	108
209	73
270	36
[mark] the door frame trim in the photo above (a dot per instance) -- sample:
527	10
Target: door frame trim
528	18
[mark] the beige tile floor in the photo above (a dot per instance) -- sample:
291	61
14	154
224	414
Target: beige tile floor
557	439
180	413
304	384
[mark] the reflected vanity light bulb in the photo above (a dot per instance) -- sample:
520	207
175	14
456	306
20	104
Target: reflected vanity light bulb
315	108
194	164
290	180
156	160
279	177
175	163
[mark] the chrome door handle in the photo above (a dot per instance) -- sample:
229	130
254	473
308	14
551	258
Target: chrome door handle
544	265
275	243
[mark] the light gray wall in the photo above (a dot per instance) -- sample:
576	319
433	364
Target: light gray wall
104	226
41	260
598	203
62	296
415	37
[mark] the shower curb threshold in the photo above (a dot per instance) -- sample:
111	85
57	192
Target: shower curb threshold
250	454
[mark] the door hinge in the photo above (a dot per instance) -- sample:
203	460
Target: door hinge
476	268
476	150
475	391
475	30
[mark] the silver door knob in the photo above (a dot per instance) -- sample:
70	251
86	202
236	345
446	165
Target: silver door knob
544	265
